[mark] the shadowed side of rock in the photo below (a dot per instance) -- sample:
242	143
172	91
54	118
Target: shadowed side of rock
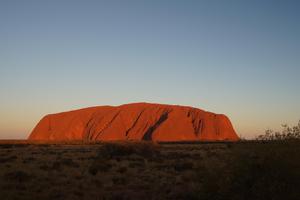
139	121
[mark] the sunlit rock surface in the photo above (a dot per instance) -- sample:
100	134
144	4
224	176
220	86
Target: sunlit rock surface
138	121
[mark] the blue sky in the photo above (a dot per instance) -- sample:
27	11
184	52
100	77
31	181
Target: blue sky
241	58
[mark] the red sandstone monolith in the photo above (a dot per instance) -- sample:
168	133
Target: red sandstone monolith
138	121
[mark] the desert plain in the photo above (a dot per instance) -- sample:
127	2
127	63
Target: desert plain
147	170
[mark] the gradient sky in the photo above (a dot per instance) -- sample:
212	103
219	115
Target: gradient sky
241	58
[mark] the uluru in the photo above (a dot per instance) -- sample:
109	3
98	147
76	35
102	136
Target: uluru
137	121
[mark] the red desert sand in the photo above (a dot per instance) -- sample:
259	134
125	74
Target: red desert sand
138	121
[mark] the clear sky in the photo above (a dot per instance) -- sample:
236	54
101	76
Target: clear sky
241	58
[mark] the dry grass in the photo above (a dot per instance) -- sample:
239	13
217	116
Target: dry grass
66	170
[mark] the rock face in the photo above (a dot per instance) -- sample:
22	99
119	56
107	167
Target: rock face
139	121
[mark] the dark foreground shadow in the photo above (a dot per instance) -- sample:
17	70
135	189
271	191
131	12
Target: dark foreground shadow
245	170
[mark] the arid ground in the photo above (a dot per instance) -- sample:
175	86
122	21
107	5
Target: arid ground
243	170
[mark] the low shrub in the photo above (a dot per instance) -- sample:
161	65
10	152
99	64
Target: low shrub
183	166
18	175
99	165
8	159
115	150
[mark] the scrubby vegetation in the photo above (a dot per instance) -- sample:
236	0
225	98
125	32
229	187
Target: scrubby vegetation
254	171
121	149
287	133
244	170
